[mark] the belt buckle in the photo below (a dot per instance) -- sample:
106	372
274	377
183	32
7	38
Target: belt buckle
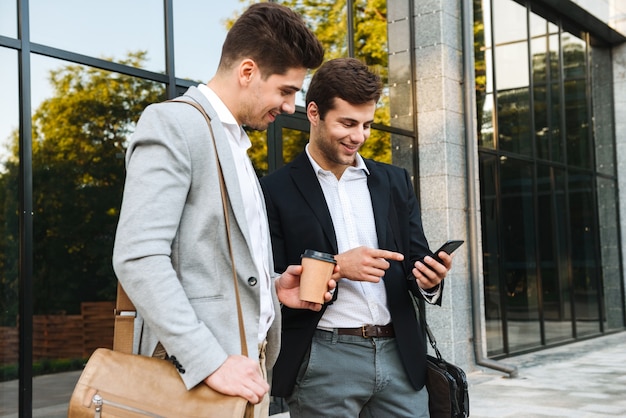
364	331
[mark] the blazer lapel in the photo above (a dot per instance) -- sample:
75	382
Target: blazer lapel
308	185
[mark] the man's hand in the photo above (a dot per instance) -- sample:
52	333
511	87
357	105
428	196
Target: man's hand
288	289
366	264
239	376
429	277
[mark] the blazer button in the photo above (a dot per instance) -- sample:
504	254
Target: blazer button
252	281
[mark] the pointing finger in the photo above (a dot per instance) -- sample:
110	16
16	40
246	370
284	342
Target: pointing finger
390	255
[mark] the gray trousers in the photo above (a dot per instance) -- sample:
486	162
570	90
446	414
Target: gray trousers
348	376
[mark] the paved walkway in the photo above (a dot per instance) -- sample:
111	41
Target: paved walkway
586	379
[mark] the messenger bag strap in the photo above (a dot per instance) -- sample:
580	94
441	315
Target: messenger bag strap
422	317
125	311
124	330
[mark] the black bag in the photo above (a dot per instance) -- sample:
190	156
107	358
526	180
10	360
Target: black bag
448	394
448	391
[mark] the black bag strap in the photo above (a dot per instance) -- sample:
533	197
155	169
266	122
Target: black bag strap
429	333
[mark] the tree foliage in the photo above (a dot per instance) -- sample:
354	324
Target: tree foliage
79	137
328	19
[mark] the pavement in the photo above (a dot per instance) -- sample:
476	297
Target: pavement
586	379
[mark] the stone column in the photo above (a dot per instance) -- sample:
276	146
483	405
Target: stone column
442	165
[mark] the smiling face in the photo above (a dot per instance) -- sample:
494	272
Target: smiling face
335	141
267	98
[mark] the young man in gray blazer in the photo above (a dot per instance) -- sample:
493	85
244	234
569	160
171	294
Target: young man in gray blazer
363	355
171	252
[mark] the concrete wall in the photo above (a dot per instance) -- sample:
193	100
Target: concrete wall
442	168
612	12
618	22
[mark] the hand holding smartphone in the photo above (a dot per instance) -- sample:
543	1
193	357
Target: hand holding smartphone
448	247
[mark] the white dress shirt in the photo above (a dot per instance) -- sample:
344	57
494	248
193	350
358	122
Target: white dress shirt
350	205
251	194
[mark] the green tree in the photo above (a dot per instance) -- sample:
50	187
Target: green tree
79	138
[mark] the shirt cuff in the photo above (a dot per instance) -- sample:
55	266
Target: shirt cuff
431	297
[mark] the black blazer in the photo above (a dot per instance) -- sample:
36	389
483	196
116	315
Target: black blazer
299	219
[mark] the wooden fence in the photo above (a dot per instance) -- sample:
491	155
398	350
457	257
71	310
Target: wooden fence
63	336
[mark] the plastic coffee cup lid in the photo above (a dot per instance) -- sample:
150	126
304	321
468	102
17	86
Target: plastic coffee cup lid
318	255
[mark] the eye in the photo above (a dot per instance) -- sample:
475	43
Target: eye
348	123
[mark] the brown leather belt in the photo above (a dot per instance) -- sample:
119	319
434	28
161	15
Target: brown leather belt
369	331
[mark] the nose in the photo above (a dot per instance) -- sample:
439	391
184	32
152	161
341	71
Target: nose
359	134
289	105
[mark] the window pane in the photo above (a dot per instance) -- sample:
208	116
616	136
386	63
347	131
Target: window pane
512	77
584	246
491	266
398	94
486	136
9	233
80	130
509	22
328	20
402	152
9	104
577	124
562	254
104	29
483	67
370	46
574	50
557	142
514	128
294	142
518	254
8	18
546	93
552	245
199	32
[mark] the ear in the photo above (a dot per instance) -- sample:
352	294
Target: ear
312	113
247	71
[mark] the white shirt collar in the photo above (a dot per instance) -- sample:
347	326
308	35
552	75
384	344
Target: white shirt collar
220	108
226	117
360	163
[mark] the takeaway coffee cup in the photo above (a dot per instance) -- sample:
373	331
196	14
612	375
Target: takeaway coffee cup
317	268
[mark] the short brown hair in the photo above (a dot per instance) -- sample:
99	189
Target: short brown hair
346	78
275	37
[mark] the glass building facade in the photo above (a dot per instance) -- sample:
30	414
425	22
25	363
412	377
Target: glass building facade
546	250
550	226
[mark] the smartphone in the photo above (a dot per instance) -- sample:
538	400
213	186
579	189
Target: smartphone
448	247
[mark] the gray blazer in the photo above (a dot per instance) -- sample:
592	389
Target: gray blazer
171	253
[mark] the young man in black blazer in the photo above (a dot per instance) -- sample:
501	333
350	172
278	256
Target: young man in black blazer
363	354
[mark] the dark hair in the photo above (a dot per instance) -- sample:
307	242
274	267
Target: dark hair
346	78
275	37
